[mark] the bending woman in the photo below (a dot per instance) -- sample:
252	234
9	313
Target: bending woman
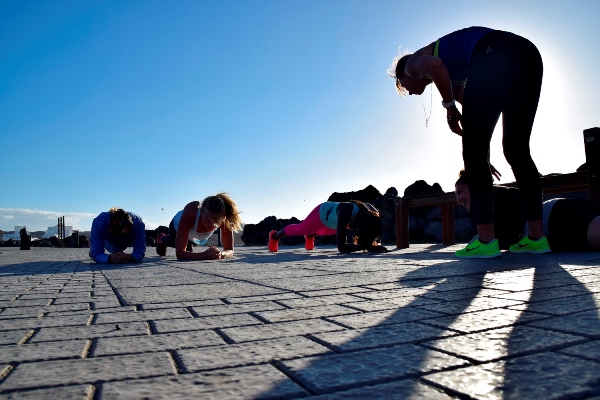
569	224
332	218
504	72
196	223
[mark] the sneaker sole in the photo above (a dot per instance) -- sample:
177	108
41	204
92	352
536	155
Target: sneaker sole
480	256
531	252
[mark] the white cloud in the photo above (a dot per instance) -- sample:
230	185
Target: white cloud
150	225
40	220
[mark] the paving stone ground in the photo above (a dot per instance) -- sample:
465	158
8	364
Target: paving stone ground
410	324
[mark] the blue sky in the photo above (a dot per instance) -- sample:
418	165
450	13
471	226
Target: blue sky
148	105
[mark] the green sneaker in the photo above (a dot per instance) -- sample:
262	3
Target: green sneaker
527	245
476	249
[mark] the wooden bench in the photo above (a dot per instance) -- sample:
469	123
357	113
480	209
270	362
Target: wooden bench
551	184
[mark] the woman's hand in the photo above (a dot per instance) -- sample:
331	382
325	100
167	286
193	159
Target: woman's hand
118	258
495	173
454	117
212	253
377	249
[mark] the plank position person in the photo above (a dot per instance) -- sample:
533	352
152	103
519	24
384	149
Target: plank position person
114	231
196	223
333	218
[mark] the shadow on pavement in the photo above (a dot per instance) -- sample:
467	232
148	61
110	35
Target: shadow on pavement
535	341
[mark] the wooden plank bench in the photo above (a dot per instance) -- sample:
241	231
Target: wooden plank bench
551	184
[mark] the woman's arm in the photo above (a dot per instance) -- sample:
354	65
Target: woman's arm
227	239
97	238
344	211
423	65
139	240
186	224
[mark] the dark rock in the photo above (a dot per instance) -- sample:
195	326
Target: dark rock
416	228
84	241
366	195
391	192
435	215
258	234
418	189
422	188
433	232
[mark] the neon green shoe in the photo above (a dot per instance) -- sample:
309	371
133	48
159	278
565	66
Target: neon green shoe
526	245
476	249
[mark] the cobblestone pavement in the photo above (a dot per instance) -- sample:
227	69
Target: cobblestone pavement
415	323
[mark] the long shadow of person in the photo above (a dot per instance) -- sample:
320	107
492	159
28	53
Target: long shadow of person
548	352
388	343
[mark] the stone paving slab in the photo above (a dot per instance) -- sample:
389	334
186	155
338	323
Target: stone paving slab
254	382
411	324
62	392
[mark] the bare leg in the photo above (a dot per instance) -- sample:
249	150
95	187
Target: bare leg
486	232
536	230
593	234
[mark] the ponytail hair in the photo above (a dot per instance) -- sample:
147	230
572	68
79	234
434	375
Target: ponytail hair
396	71
223	204
462	178
368	223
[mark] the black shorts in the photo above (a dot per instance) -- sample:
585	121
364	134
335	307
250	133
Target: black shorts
569	222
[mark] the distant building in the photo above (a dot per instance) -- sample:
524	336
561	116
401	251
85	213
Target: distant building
53	231
16	235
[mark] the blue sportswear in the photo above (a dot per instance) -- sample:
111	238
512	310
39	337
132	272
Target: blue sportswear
101	239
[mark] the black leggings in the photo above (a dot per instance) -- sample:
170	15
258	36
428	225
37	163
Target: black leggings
169	239
505	78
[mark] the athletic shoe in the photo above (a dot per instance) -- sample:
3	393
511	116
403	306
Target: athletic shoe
161	249
477	249
189	248
310	243
273	244
526	245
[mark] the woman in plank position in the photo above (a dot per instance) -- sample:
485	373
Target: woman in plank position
331	218
196	223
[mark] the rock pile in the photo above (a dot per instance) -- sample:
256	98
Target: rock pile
75	240
258	234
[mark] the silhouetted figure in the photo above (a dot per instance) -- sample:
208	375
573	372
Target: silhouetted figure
25	240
